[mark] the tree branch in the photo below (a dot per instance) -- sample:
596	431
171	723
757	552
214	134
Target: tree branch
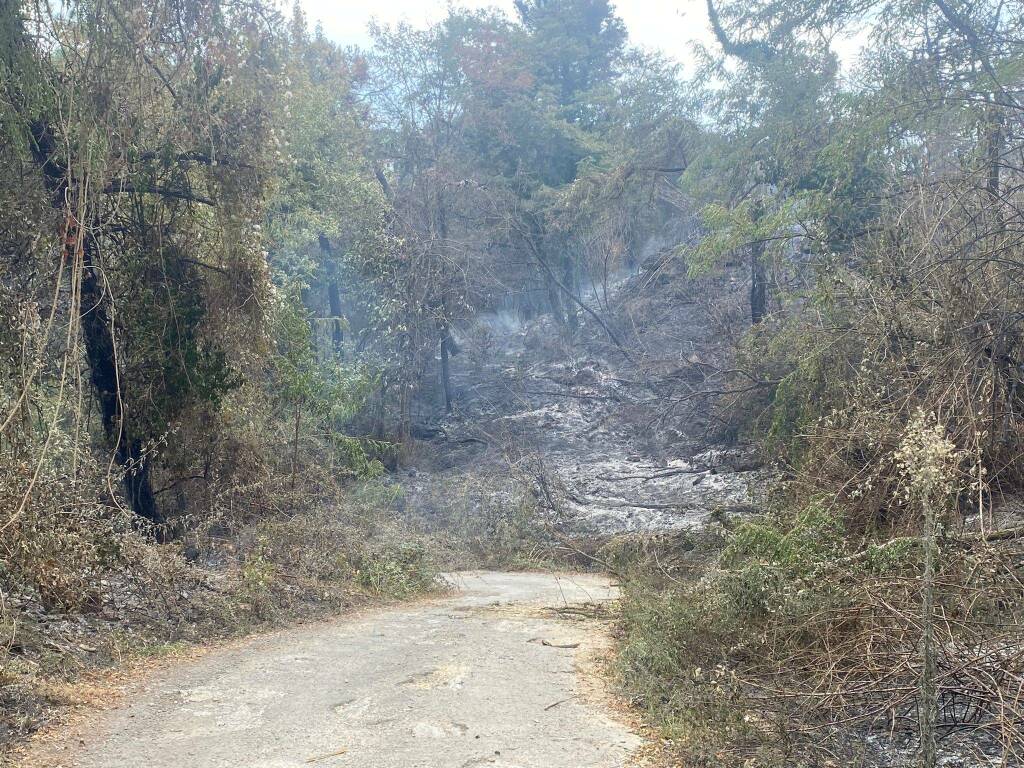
754	52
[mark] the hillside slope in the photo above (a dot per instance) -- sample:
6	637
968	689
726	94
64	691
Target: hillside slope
607	440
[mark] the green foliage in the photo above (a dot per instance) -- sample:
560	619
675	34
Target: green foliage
693	642
728	230
503	532
766	564
672	663
575	46
328	393
190	182
258	579
169	355
396	571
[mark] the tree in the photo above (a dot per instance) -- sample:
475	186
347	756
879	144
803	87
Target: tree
576	47
155	175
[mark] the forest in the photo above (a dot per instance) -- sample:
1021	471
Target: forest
290	329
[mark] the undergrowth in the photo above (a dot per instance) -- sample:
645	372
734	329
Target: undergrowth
132	600
488	524
776	642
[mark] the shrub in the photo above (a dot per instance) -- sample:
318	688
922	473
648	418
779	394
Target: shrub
794	644
397	570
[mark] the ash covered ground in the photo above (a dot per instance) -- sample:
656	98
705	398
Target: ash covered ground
608	437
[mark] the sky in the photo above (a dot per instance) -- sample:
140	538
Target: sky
665	25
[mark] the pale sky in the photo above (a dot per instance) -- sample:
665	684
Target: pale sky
665	25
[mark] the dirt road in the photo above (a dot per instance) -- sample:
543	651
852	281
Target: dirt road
485	677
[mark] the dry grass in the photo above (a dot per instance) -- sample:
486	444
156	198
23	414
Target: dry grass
156	600
782	651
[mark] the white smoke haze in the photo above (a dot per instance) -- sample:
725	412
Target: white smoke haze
658	25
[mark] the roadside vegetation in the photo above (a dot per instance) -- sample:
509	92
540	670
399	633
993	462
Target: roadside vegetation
251	280
872	613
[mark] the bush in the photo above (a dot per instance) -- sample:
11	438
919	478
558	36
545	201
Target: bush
397	571
792	645
673	664
484	524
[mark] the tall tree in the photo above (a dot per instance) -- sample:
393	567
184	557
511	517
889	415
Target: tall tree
155	169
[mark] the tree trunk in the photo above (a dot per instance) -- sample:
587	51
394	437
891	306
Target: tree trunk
334	299
446	380
758	280
404	412
333	296
758	285
97	333
295	443
555	302
994	149
378	420
572	319
928	695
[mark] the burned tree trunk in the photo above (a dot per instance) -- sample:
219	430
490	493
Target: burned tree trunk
758	284
555	303
97	333
569	280
758	278
334	300
446	375
333	296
